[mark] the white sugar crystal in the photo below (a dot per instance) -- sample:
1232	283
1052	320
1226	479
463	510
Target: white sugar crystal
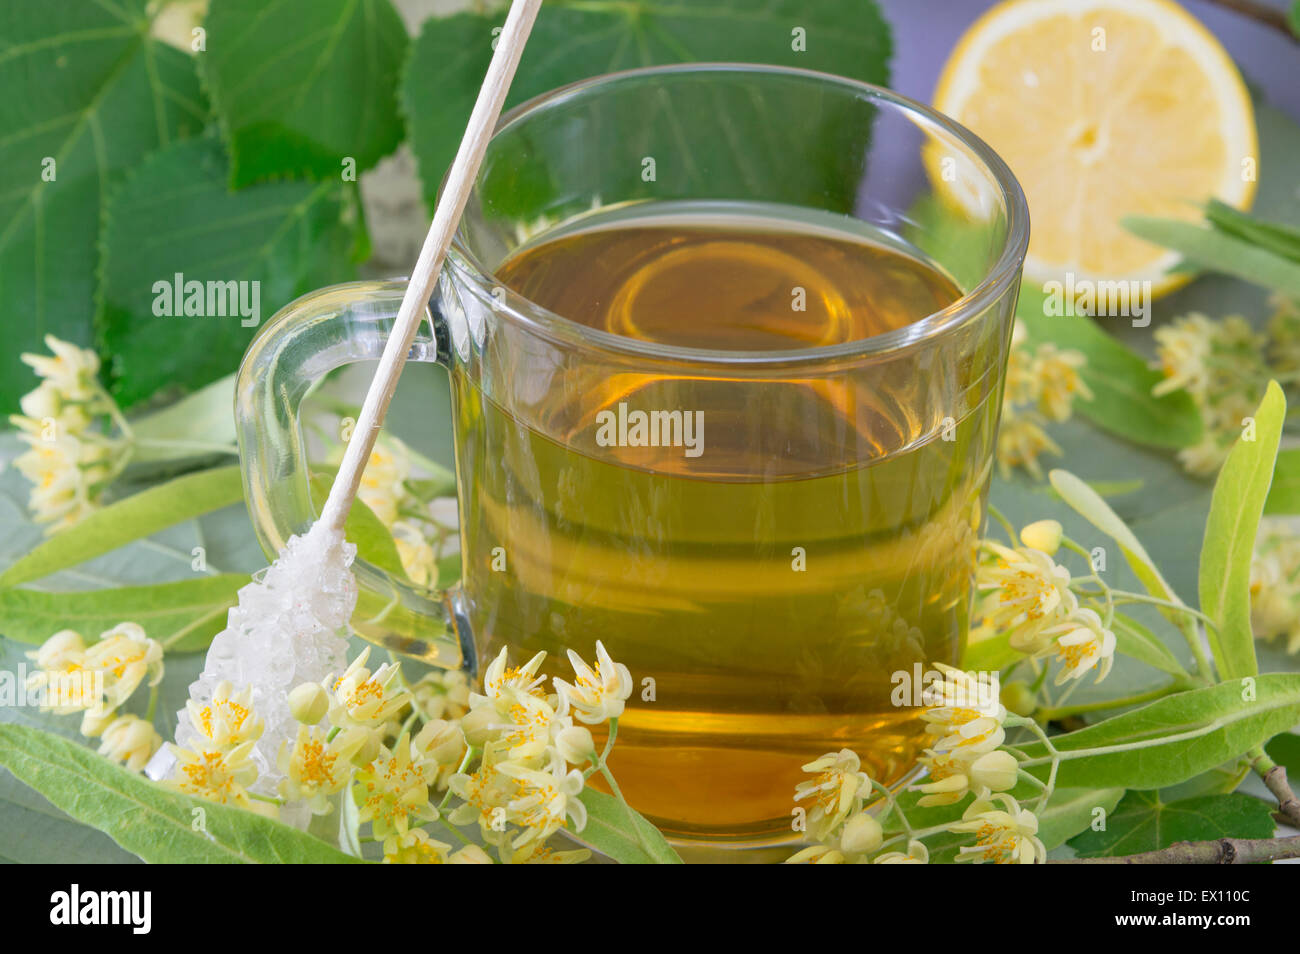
288	628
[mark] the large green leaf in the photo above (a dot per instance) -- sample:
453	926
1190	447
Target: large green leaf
1284	494
1238	503
1142	822
183	616
301	85
1175	738
573	40
158	825
609	831
287	237
87	94
1219	251
139	515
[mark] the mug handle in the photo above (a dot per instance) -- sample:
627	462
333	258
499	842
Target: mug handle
304	341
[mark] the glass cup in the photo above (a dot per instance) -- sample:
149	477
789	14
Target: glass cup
771	593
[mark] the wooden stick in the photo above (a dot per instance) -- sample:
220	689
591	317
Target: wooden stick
510	46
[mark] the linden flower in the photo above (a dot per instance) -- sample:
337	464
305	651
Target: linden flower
68	473
72	370
419	561
485	794
1057	374
1021	441
598	694
383	482
62	677
316	766
917	854
1082	643
1275	584
218	776
1030	593
125	655
365	699
442	695
415	847
543	801
536	853
817	855
392	790
130	740
519	720
1007	835
228	720
838	784
958	698
500	676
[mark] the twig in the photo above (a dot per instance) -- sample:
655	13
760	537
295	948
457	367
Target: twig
1274	777
1262	13
1224	851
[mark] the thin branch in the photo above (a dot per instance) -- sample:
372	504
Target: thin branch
1274	777
1224	851
1260	12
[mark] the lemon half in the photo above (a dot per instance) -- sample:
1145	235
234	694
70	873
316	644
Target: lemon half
1102	109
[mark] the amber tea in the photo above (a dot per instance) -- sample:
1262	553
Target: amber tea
763	547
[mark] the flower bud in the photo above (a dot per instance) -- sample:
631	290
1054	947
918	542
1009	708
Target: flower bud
480	725
861	834
309	703
995	771
1044	535
1019	698
576	745
470	855
368	750
441	741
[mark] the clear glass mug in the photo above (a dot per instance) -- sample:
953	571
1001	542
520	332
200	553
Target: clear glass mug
769	593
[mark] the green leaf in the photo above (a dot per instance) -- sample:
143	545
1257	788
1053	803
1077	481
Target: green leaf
990	654
1089	505
1284	749
1293	18
609	831
1175	738
373	540
203	420
1072	810
1284	494
145	818
183	616
1142	822
282	238
1276	237
87	95
1218	251
1217	781
576	40
139	515
1138	642
1238	503
1119	378
301	85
